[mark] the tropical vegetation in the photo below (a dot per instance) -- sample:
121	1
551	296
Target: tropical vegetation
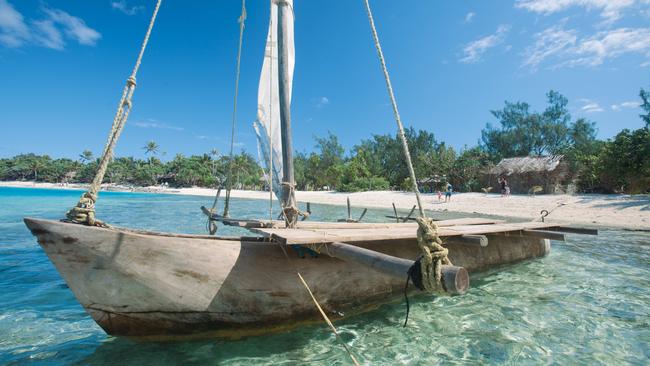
619	164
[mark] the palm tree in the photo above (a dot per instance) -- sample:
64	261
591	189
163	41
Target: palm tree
151	148
86	156
36	165
214	153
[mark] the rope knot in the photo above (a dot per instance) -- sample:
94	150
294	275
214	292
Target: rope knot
433	256
291	212
84	211
131	82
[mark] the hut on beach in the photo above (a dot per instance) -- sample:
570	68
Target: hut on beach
551	173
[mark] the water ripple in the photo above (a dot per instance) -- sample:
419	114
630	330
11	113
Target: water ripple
588	303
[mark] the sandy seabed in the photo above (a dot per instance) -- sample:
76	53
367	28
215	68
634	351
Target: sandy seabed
615	210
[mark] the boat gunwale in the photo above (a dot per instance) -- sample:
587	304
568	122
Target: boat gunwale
157	233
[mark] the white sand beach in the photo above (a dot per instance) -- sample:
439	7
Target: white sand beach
615	210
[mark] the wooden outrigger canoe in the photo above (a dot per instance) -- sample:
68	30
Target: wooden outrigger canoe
137	283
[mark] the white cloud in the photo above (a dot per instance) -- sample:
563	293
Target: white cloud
124	8
322	102
628	104
566	49
470	17
46	34
548	43
74	27
473	51
49	32
590	106
152	123
611	44
13	30
610	10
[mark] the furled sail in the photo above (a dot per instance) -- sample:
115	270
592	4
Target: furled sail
267	125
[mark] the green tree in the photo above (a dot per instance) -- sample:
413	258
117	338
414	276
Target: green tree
39	164
86	156
147	173
468	169
299	170
357	177
645	97
121	171
214	162
523	133
326	167
151	148
625	162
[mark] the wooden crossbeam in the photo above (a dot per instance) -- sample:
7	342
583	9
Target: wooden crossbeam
543	234
366	234
573	230
531	233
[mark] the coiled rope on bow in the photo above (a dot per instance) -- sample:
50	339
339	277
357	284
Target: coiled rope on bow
84	211
427	269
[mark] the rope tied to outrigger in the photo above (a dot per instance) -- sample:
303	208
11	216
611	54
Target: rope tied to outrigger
426	273
433	256
84	211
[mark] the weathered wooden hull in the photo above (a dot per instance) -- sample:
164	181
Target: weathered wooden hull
142	284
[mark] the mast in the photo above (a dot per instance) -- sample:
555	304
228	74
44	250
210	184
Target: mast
288	198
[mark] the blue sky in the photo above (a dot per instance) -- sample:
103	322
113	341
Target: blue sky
63	65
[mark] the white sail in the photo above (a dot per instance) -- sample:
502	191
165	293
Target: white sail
267	125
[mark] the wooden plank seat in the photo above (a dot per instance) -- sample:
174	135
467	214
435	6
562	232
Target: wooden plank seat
396	232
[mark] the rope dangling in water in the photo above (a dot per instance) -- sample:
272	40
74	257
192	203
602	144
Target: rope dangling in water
84	211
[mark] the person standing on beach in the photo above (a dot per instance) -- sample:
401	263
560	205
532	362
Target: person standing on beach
448	192
503	184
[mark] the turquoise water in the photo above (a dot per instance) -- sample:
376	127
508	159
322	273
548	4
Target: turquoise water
588	303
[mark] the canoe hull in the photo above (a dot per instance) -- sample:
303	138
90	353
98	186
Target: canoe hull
153	284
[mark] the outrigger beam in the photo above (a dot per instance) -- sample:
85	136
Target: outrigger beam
573	230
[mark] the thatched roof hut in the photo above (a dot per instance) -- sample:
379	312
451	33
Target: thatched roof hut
523	173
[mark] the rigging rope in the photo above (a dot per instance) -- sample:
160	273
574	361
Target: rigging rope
393	102
271	173
241	21
433	254
320	309
84	211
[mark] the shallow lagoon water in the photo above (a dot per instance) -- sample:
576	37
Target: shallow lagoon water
587	303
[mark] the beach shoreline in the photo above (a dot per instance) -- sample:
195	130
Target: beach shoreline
631	212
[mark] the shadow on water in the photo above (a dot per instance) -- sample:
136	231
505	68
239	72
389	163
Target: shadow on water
120	350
